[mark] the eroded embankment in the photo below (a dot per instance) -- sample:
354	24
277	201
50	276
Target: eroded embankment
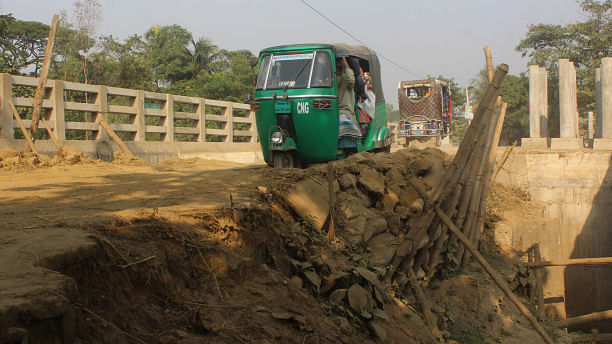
261	272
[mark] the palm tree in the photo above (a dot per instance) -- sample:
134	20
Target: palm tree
202	54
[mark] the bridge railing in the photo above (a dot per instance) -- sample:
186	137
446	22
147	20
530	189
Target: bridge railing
71	110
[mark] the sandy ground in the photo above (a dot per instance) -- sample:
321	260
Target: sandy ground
87	192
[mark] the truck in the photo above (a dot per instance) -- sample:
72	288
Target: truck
425	110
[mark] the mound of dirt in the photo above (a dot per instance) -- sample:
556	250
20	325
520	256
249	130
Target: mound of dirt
125	159
266	271
15	160
507	197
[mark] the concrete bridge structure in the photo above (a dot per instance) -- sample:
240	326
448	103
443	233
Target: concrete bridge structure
155	126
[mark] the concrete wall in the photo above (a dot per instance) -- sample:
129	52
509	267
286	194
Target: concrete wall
152	151
574	191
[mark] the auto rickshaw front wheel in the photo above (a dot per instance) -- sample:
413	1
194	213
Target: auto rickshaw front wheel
284	160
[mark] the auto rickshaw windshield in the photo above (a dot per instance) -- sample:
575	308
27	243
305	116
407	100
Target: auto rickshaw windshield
290	71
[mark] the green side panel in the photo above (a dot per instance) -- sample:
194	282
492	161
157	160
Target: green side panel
380	120
265	119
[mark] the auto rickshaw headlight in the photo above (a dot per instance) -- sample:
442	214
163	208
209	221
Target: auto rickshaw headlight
277	137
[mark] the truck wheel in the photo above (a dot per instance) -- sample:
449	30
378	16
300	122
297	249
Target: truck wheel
284	160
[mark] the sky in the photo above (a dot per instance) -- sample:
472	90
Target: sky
427	38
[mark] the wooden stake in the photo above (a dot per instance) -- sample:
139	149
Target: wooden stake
102	122
538	277
42	81
591	337
566	262
26	134
331	233
503	159
499	281
430	319
113	326
136	262
584	319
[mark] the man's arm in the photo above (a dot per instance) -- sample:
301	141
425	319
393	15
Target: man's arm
349	76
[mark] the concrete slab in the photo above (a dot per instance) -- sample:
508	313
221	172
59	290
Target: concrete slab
567	143
534	142
602	144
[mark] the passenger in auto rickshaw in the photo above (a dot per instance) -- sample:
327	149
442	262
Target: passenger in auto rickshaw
348	130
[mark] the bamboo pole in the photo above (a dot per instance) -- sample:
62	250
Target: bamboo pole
471	136
25	132
499	281
430	319
489	61
102	122
584	319
476	231
566	262
479	193
591	337
42	81
537	257
407	247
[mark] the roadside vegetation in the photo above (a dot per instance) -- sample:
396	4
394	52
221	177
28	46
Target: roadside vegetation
170	59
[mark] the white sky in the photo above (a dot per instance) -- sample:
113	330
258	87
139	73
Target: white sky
436	37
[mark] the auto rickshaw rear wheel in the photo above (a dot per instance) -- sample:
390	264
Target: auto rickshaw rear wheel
284	160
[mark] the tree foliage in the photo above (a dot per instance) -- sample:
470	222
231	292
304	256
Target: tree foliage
22	44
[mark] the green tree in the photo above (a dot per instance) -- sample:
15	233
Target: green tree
22	45
122	64
202	54
584	43
165	51
458	123
514	90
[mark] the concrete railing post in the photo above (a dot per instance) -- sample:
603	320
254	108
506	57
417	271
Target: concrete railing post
253	128
603	105
229	114
568	122
202	120
169	118
568	109
6	114
538	102
606	97
102	102
57	114
538	108
139	121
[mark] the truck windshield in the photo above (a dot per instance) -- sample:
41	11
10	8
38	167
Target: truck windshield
295	71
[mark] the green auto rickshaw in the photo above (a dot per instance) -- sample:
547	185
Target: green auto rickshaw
296	104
